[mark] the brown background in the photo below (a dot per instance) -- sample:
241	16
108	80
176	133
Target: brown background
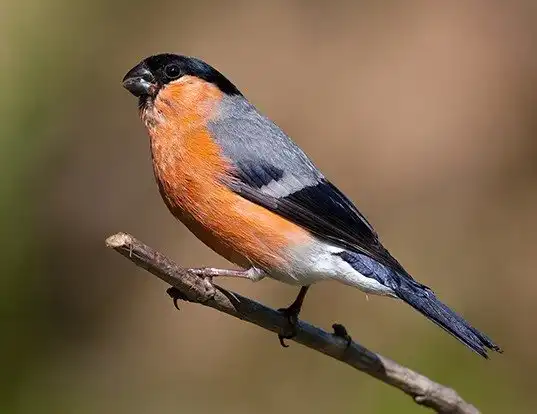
422	113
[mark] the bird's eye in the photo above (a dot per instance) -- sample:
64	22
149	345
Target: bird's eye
172	71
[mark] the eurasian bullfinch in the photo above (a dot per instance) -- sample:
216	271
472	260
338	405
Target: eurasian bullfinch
244	188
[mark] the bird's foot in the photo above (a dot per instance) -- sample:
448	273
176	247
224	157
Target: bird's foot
176	295
210	291
291	313
341	332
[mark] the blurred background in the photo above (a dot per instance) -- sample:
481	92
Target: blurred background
423	114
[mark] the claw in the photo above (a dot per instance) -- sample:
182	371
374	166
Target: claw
341	332
282	339
176	295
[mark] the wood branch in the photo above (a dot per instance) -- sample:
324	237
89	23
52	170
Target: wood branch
423	391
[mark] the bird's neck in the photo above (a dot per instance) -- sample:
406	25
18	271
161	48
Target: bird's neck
176	121
185	157
181	106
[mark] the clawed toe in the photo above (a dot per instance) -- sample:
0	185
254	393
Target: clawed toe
291	313
341	332
176	295
292	318
209	287
282	339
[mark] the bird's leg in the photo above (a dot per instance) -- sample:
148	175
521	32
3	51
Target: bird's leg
292	313
208	273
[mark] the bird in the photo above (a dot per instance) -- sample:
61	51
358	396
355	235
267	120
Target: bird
244	188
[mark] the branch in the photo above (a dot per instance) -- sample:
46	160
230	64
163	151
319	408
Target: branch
423	391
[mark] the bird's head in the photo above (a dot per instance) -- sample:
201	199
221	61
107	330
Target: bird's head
155	73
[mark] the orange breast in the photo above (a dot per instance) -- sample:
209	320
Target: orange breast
190	169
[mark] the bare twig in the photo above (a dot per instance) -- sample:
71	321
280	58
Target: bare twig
423	391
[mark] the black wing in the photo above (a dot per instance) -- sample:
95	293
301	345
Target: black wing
324	211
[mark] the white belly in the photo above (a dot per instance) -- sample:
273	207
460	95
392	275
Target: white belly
319	261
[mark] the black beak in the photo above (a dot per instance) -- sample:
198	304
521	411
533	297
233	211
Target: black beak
140	81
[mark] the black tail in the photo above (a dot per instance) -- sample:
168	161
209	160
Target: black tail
424	300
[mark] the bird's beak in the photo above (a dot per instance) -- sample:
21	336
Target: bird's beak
140	81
